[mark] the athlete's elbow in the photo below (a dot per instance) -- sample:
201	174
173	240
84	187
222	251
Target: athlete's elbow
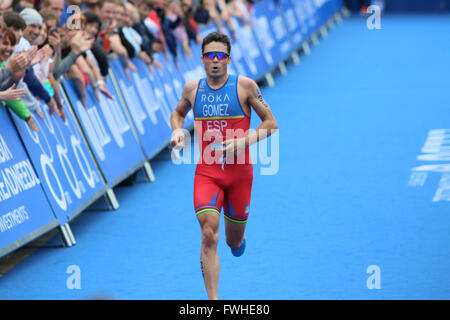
273	125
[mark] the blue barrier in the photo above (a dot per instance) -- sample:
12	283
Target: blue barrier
326	9
148	116
264	35
169	84
25	212
292	23
63	163
109	133
250	49
302	17
195	61
282	48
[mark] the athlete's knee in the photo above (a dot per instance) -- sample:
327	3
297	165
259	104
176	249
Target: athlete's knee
210	237
234	243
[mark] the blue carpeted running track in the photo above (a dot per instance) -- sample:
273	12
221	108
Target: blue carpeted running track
353	117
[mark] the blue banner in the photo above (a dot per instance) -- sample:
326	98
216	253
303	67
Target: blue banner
108	132
292	23
25	212
145	110
250	49
302	17
63	162
186	68
264	34
169	83
324	10
283	45
198	71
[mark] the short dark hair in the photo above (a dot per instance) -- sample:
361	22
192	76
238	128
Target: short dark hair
92	17
9	36
14	20
216	37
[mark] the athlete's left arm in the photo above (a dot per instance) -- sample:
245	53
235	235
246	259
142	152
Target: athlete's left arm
256	101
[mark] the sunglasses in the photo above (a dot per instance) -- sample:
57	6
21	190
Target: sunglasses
211	55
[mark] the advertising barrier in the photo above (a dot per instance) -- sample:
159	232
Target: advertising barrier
149	116
25	212
250	49
62	161
108	132
277	24
264	35
292	23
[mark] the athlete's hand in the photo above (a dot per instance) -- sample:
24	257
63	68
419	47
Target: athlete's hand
234	146
177	140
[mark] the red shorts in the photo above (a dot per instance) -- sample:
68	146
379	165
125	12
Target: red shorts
230	188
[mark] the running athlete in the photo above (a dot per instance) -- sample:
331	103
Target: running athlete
224	174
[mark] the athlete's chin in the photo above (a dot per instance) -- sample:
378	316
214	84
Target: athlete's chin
216	74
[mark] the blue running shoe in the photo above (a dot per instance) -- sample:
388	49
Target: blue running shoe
239	251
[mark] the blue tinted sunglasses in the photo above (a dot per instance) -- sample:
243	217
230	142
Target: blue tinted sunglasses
211	55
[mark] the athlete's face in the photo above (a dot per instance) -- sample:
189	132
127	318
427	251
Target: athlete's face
216	68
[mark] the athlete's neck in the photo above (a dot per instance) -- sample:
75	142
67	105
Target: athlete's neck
216	83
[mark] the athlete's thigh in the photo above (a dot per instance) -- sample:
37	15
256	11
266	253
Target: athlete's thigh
208	196
237	196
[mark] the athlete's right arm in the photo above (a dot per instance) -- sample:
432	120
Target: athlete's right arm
179	114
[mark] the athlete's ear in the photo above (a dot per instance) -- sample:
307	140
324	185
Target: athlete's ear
229	60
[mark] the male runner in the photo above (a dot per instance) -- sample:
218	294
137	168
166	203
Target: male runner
224	174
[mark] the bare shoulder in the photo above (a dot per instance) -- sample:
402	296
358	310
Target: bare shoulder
249	85
190	86
189	91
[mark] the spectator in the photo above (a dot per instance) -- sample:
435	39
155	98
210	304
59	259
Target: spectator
240	9
97	53
131	39
34	21
174	15
56	5
74	43
50	41
19	5
149	42
207	13
93	5
15	23
5	5
89	69
225	14
161	16
7	44
12	72
109	14
190	24
149	21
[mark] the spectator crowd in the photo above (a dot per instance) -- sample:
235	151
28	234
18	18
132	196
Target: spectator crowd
44	40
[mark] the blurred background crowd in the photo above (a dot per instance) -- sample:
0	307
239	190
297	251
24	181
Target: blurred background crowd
43	40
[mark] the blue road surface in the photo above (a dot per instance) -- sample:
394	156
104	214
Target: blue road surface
344	217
